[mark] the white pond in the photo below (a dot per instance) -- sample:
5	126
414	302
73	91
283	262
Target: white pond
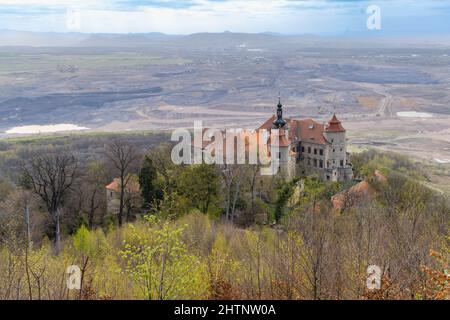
36	129
414	114
442	161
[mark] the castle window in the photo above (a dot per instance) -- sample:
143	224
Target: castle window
321	163
309	149
328	164
328	177
321	152
341	149
303	149
315	151
342	163
315	162
279	155
334	150
309	161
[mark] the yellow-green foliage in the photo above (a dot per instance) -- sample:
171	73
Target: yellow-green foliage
195	257
367	162
160	265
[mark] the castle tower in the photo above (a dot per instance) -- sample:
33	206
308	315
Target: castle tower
334	133
280	143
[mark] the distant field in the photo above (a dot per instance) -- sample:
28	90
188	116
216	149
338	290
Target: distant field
54	62
228	80
368	102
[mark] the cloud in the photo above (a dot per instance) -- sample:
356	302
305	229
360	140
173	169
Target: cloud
189	16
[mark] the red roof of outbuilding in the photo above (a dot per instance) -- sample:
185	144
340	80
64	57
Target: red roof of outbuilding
132	186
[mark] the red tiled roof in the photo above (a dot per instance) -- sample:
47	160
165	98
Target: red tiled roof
335	125
356	194
359	192
311	131
132	186
293	130
114	185
247	136
305	130
268	124
283	140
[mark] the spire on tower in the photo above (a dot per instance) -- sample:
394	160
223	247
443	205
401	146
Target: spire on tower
279	122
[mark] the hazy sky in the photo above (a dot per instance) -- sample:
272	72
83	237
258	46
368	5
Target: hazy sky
322	17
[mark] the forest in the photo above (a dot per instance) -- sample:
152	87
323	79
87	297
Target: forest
210	232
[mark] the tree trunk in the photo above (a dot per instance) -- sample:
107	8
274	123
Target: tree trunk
120	208
122	198
27	222
252	203
92	210
128	205
236	194
57	233
30	292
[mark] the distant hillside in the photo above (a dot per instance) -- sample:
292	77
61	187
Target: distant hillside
35	39
218	40
125	40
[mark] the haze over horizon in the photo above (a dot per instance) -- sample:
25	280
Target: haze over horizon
291	17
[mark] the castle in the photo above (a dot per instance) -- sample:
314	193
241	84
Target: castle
309	148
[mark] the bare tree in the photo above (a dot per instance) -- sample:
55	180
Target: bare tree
251	173
91	189
51	177
122	156
162	161
228	174
27	200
